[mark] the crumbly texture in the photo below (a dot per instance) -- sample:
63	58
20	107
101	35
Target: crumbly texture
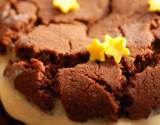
139	30
54	63
143	86
18	17
93	84
33	81
64	48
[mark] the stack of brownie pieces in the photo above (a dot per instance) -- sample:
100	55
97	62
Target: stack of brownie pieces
55	63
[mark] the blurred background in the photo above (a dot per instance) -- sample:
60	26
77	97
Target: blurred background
1	1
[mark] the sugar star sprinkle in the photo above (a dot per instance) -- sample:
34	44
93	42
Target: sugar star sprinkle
96	51
154	5
66	5
116	48
108	38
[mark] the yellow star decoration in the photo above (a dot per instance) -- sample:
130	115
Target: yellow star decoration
108	38
154	5
96	51
65	5
116	48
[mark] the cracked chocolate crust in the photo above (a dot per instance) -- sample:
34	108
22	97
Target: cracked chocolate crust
32	79
98	86
143	86
90	90
91	83
102	90
19	17
95	85
140	31
56	45
86	13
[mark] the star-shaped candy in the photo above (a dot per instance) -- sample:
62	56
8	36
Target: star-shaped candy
96	51
108	38
65	5
154	5
116	48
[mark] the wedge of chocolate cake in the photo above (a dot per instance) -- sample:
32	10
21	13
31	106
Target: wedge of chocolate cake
80	62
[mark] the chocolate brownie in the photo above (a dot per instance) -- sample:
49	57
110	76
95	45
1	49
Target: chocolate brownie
56	44
15	21
54	62
129	6
18	17
86	13
91	82
137	29
95	85
142	95
32	79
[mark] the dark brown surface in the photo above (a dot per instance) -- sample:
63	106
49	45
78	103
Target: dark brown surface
87	11
137	29
95	85
56	44
109	25
142	95
94	89
129	6
139	43
18	17
33	82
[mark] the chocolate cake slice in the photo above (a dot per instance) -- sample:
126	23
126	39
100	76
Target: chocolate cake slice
97	86
53	62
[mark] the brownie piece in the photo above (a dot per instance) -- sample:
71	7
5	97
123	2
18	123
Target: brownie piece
142	95
129	6
109	25
89	91
5	119
139	43
86	12
56	44
137	29
16	21
32	79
